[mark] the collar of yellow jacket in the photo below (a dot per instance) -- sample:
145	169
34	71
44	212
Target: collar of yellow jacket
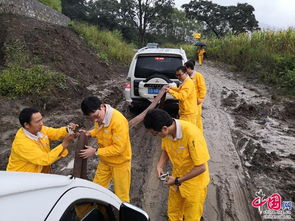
32	136
194	73
178	131
108	116
182	82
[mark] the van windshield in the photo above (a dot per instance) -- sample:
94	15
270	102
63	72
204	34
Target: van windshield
150	65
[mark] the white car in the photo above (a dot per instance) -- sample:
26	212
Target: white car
152	68
36	197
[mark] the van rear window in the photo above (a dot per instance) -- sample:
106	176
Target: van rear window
150	65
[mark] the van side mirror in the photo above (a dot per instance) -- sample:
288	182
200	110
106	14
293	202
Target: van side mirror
129	212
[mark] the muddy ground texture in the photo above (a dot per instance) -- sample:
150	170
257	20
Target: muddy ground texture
250	136
249	130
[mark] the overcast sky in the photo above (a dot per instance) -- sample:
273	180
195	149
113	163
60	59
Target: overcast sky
279	14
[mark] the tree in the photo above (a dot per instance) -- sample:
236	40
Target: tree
104	13
175	27
142	13
241	18
222	19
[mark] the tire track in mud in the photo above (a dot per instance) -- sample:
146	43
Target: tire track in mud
250	135
228	193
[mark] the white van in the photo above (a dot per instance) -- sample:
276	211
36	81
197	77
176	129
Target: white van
36	197
152	68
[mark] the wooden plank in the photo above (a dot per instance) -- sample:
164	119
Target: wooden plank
80	164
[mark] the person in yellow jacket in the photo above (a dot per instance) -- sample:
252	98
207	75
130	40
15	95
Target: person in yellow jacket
30	150
183	144
186	95
201	90
200	53
111	131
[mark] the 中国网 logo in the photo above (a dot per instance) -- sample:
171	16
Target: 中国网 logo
272	207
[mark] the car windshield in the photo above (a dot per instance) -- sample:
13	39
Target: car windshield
150	65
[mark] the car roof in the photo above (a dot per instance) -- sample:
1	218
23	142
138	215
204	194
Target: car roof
21	191
15	182
168	51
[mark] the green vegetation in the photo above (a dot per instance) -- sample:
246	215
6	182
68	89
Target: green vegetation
109	44
270	55
17	81
55	4
24	76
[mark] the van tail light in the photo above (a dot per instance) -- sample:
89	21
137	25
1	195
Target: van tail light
128	85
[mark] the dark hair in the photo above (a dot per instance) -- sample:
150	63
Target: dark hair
193	61
189	65
156	119
90	105
25	116
181	68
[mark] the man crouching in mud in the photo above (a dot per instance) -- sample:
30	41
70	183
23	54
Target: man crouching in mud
185	146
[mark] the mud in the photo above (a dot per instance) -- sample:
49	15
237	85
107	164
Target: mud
261	143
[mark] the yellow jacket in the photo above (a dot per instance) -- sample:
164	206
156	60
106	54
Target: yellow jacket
186	95
201	52
31	155
200	85
188	150
113	139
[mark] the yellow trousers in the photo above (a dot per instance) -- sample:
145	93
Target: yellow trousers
190	208
189	118
121	176
201	57
199	117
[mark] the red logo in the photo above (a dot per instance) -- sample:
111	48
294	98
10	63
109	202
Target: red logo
274	202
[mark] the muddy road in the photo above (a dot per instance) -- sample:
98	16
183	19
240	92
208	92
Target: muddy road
250	135
251	140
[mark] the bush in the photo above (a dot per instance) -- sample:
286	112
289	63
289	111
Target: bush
24	76
17	81
55	4
109	44
268	55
